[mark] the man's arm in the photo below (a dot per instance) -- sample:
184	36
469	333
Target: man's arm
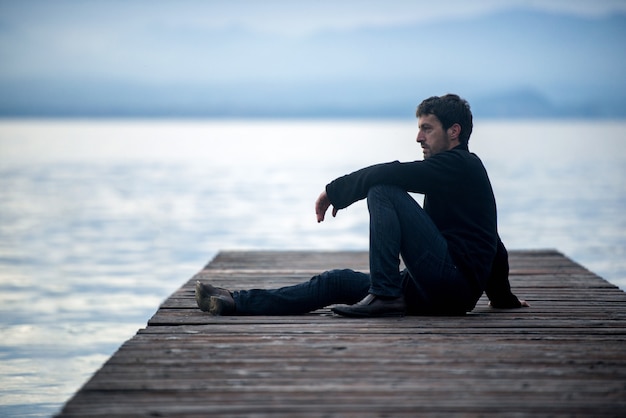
498	287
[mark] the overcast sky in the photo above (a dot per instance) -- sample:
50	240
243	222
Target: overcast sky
233	41
282	16
43	35
40	35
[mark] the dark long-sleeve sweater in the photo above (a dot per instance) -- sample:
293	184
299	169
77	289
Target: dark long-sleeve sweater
459	199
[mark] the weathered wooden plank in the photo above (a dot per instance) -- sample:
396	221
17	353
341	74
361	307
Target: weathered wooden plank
323	403
566	355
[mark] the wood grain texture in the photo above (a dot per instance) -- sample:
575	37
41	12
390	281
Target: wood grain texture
563	356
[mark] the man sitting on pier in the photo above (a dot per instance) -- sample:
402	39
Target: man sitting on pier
450	247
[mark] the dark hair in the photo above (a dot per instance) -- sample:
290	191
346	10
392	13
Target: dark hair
449	109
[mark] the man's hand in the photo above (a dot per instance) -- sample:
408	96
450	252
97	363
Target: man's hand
321	206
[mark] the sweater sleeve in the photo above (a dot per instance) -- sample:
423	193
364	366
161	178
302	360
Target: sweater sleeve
416	176
350	188
498	287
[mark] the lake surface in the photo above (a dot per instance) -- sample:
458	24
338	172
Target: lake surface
100	221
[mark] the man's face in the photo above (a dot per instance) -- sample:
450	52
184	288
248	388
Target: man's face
433	138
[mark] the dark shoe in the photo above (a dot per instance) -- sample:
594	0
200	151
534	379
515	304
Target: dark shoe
214	300
372	306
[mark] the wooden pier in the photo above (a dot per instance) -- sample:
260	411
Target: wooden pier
563	356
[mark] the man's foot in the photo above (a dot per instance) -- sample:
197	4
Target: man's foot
372	306
214	300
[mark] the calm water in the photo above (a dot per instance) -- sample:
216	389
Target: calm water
100	221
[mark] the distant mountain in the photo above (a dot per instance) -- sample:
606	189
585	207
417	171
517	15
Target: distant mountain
516	64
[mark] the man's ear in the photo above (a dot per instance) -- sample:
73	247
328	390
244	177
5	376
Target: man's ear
454	132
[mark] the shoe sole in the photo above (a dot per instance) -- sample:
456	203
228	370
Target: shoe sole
352	314
202	298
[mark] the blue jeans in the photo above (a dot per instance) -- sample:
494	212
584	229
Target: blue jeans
431	283
328	288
